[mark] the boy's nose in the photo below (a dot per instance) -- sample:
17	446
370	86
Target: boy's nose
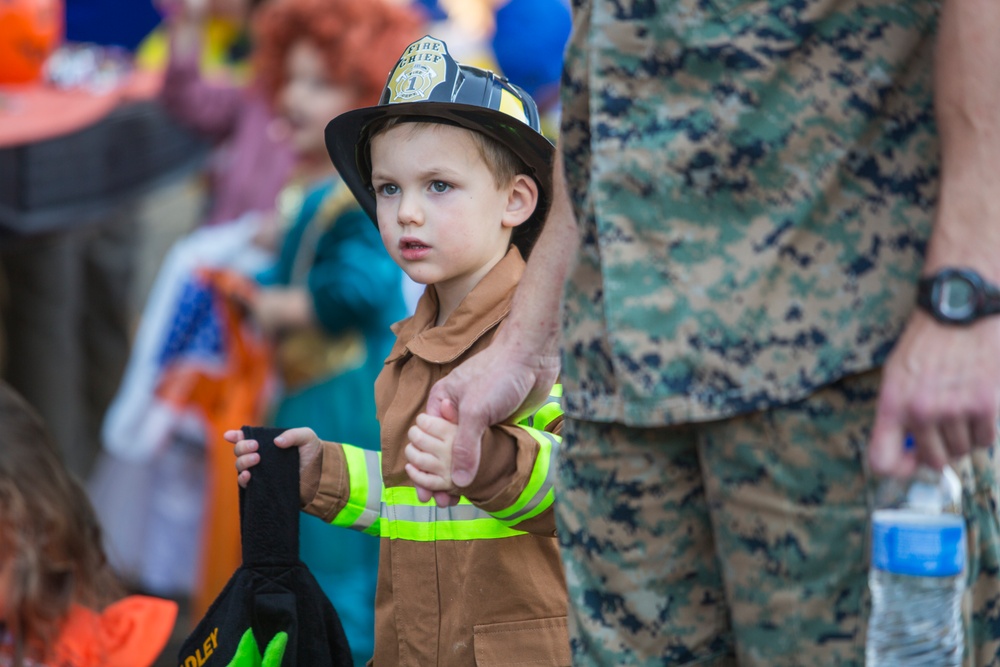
409	212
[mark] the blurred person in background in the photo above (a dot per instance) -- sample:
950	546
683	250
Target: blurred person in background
329	299
224	39
66	312
153	537
252	160
60	602
325	302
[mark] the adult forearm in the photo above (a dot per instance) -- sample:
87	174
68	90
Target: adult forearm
941	384
967	106
534	323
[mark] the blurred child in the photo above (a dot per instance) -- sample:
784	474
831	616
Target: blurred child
216	32
452	165
60	604
251	160
331	297
326	302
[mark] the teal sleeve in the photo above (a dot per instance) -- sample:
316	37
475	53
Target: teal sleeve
354	282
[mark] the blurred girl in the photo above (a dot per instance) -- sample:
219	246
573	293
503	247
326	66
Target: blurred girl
332	294
60	603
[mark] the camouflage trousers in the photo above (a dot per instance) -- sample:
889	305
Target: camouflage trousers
743	541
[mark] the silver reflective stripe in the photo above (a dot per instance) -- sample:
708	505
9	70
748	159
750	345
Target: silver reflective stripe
373	503
543	490
433	513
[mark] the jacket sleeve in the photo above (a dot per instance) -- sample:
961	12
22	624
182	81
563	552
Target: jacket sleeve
516	478
350	488
209	108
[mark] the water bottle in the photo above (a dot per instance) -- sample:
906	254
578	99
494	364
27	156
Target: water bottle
917	575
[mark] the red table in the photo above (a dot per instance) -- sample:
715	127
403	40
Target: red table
70	156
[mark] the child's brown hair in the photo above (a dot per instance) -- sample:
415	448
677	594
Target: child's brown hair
360	40
48	532
502	162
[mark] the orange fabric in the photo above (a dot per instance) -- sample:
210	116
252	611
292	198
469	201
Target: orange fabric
35	112
238	395
129	633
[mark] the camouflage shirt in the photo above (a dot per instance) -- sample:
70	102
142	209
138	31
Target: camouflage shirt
755	183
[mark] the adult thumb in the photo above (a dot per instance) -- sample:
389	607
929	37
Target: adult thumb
448	411
466	453
885	449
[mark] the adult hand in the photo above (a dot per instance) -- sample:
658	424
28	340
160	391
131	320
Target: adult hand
520	366
941	385
486	390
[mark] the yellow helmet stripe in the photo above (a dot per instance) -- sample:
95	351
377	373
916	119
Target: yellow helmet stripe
510	105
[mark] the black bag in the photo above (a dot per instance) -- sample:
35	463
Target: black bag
272	611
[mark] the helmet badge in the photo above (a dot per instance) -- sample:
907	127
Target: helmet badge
421	68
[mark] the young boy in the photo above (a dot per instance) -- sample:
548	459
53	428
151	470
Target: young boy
453	167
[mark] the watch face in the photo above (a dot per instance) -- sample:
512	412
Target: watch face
956	297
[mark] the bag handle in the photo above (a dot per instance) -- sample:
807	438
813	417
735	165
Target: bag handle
269	505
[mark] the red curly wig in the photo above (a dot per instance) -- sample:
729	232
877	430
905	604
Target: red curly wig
360	40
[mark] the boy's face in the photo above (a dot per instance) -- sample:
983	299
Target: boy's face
309	100
441	215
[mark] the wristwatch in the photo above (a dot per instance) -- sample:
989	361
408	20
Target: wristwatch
958	296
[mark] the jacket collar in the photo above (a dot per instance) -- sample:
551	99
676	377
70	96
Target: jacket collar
486	305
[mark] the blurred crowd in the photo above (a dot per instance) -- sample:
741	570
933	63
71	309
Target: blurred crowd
248	287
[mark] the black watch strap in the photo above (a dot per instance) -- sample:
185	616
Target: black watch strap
991	298
933	296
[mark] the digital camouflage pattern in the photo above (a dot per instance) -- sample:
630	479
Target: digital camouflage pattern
739	538
755	183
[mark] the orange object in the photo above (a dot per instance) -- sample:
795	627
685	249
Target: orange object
30	30
130	633
230	398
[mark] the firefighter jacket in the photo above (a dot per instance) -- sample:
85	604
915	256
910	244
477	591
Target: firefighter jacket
479	583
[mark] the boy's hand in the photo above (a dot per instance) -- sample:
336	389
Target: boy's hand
309	446
429	453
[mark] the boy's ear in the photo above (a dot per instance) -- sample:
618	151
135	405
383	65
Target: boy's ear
521	201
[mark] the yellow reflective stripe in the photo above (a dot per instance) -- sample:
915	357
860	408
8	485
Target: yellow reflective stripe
406	518
364	502
537	495
548	412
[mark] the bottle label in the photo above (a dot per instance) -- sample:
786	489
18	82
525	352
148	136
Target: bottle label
906	542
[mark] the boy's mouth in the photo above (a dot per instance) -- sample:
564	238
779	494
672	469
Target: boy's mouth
411	248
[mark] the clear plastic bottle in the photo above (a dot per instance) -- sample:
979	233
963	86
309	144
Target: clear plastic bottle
917	576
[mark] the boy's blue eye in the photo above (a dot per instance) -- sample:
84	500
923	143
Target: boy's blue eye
439	186
387	189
